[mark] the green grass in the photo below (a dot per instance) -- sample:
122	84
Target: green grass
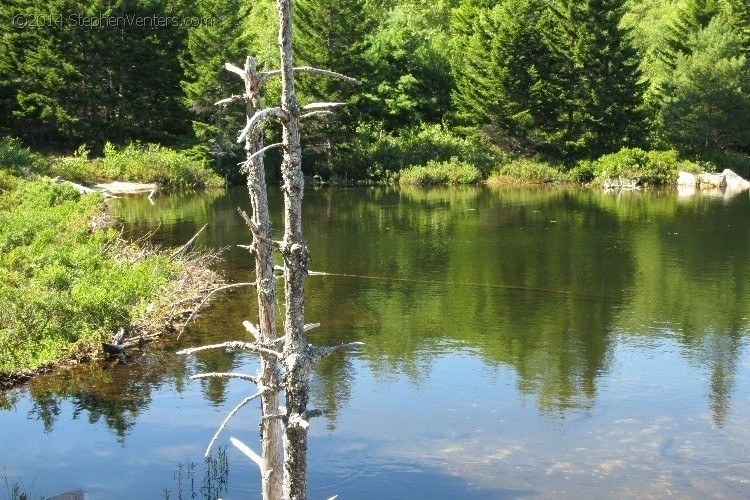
148	164
65	285
440	173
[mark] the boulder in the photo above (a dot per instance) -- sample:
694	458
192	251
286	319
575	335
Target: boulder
735	181
713	181
686	179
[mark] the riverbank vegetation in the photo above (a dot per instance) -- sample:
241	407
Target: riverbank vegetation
520	89
68	280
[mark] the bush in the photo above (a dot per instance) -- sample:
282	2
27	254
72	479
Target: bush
150	163
526	171
154	163
380	154
440	173
652	168
17	159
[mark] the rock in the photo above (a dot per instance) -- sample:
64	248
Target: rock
735	181
713	181
686	179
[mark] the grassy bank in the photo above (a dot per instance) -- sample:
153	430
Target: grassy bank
148	164
68	281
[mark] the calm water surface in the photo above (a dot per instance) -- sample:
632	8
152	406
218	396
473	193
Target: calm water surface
518	343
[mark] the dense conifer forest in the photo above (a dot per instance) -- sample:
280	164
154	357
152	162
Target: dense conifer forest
475	81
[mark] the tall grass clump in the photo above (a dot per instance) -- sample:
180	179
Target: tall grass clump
16	159
440	173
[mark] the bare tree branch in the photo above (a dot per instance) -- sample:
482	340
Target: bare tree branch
316	113
310	326
231	100
309	69
260	152
318	106
257	233
261	116
248	453
241	376
230	415
234	69
233	345
253	329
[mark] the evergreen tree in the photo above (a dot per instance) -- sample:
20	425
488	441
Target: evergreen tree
707	103
206	80
505	82
410	81
600	74
331	34
691	18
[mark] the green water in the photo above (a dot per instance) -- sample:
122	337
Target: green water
518	343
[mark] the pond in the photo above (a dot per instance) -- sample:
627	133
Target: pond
517	343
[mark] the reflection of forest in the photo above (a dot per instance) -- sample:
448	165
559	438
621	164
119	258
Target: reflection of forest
586	264
538	280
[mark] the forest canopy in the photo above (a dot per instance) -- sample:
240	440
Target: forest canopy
561	80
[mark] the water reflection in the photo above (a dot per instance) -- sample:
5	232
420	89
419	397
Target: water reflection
513	338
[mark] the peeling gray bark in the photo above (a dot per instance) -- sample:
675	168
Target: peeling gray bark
296	361
270	429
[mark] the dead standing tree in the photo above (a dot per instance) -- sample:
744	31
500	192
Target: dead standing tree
295	357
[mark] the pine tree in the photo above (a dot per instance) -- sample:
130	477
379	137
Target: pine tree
707	108
504	83
206	81
691	18
600	74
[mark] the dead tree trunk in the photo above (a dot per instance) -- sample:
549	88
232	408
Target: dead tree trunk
271	455
296	357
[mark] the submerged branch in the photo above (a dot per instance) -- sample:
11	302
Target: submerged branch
318	353
203	302
242	376
187	245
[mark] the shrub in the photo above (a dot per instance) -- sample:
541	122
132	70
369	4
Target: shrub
17	159
154	163
149	163
526	171
440	173
379	153
652	168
